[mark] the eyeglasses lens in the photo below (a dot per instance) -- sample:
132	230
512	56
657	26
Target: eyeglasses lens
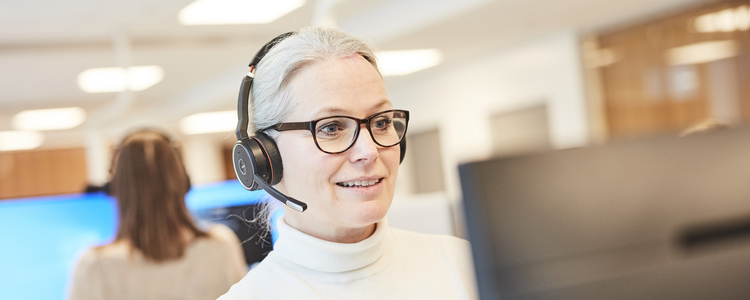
336	134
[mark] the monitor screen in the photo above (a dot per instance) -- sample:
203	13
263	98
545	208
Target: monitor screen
655	218
43	236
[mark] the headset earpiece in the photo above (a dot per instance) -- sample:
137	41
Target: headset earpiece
257	164
257	156
272	156
247	160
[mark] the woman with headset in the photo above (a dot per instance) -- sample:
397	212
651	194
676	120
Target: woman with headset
323	119
158	253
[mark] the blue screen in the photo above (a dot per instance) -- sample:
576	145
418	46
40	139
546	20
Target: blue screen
42	237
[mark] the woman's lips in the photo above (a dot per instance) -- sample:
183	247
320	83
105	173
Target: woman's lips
360	183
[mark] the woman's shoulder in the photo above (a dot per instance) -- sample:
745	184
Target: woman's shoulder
95	257
219	230
431	247
405	236
220	241
265	281
447	256
222	234
88	259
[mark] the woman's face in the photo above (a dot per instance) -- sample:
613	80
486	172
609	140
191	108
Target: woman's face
337	212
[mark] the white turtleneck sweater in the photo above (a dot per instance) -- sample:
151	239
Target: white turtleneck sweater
390	264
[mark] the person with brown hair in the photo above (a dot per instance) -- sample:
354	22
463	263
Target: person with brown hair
158	252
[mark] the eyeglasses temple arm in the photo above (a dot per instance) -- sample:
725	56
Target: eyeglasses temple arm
292	126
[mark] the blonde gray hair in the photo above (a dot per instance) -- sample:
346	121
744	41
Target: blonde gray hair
271	99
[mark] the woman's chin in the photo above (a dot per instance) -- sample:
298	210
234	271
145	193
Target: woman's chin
371	212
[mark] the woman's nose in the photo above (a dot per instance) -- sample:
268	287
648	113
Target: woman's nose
364	147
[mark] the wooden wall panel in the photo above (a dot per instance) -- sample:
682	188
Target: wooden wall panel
639	88
43	172
226	152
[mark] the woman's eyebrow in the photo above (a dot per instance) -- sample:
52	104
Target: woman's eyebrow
382	103
329	111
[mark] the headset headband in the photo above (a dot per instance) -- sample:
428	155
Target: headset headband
247	83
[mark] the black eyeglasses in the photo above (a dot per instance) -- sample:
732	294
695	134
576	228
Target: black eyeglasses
337	134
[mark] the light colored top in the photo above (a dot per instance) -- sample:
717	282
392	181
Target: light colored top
209	266
390	264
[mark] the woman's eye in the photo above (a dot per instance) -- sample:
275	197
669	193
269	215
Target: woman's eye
330	128
382	123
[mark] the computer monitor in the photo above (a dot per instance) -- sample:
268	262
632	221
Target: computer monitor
41	237
654	218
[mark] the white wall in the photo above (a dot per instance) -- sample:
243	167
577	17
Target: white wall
203	158
460	97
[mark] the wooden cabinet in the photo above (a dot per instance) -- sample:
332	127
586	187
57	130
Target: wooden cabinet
646	90
43	172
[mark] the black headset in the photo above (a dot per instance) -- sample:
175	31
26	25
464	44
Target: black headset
256	158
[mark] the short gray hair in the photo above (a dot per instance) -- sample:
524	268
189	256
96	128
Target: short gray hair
271	99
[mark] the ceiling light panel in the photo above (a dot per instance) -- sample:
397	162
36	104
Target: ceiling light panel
726	20
20	140
214	12
403	62
49	119
219	121
108	80
703	52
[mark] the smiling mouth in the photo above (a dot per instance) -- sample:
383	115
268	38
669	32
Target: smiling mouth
360	184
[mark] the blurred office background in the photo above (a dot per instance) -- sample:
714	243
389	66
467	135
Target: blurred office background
481	78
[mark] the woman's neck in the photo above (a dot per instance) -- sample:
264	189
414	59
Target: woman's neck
334	234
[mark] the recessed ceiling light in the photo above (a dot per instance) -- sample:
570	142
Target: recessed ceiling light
107	80
49	119
213	12
703	52
219	121
20	140
725	20
403	62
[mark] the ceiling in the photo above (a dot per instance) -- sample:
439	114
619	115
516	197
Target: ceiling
45	44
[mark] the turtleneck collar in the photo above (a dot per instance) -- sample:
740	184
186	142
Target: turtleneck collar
324	256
